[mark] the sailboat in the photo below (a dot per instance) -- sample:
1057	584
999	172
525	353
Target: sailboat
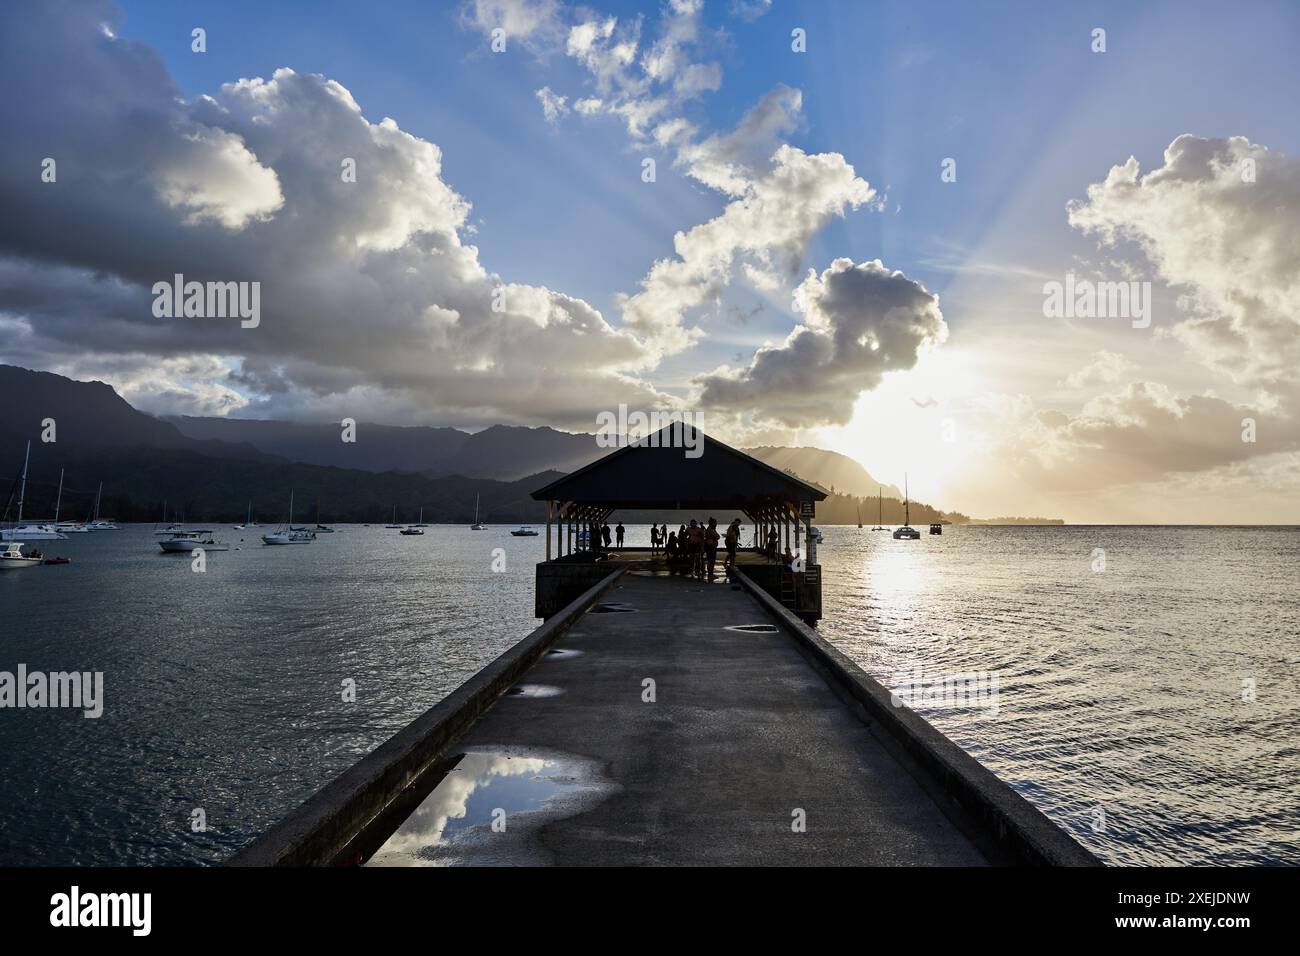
320	528
288	534
477	525
248	521
394	526
859	514
172	529
97	523
906	532
67	527
880	510
27	532
417	528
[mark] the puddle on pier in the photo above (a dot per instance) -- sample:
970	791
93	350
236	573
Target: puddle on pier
613	607
534	690
490	807
561	654
752	628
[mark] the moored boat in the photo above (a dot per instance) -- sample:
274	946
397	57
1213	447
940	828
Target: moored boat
12	557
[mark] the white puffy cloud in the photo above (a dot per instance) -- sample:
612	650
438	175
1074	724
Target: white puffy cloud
860	321
729	162
368	290
767	227
1220	221
1106	368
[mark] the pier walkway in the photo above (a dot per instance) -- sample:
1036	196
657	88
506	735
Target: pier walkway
742	733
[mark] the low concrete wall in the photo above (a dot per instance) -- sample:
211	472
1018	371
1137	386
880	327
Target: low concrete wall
807	587
319	831
1007	817
560	582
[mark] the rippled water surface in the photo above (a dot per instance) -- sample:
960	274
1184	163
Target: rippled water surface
1122	705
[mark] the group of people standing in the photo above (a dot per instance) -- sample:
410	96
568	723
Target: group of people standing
696	544
599	535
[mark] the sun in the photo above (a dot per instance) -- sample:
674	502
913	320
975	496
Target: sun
912	424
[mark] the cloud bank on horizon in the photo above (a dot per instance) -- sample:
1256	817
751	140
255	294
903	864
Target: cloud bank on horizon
377	304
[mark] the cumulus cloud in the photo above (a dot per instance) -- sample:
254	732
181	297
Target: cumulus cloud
365	285
1220	220
766	229
861	320
1105	368
729	162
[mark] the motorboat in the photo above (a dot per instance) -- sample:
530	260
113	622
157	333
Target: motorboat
936	528
524	532
12	557
411	530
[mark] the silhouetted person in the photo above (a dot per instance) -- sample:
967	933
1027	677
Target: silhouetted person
732	540
711	539
695	548
604	535
654	539
773	539
619	531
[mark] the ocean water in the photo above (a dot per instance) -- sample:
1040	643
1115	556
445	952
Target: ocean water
1150	708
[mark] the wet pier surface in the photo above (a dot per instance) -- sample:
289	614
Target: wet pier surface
744	741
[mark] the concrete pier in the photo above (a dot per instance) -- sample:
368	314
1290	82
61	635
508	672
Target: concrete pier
749	734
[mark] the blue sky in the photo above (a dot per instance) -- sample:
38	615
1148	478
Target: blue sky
894	87
377	297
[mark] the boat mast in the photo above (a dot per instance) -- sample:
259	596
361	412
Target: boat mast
907	512
59	500
22	488
249	519
99	492
290	510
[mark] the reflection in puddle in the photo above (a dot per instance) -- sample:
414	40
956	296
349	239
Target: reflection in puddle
534	690
753	628
562	654
612	607
489	807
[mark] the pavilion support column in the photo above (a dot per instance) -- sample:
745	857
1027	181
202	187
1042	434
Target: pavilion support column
549	505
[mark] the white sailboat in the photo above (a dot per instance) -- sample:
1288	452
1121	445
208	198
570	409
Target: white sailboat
248	522
30	532
477	525
880	510
187	541
289	534
906	532
394	526
97	523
